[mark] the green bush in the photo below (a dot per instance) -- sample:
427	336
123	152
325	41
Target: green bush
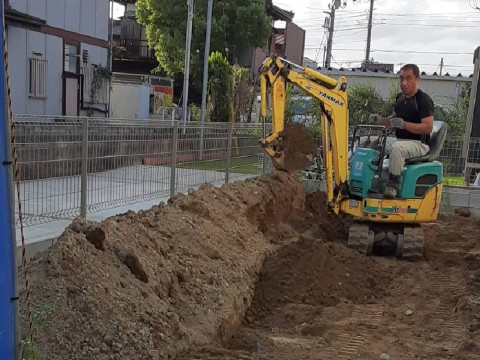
456	116
363	100
220	87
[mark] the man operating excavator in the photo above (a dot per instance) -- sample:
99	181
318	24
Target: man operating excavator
413	121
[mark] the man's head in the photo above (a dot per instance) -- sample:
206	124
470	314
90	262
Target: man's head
409	78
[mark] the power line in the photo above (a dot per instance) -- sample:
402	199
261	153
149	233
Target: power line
410	51
429	15
429	25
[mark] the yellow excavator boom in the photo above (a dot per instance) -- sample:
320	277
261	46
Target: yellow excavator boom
275	73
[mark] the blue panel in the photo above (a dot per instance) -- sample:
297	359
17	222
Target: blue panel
7	241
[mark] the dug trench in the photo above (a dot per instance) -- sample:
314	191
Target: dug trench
254	270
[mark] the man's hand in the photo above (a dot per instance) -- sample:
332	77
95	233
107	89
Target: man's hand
398	123
374	119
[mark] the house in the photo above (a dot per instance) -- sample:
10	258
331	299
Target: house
131	51
287	40
133	62
58	56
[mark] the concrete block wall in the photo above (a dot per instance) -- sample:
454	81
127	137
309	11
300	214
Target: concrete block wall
453	198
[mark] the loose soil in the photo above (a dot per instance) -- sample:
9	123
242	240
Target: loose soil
257	270
298	147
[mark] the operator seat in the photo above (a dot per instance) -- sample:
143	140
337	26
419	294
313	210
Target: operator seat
437	138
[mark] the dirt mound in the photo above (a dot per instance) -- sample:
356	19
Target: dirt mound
152	284
253	271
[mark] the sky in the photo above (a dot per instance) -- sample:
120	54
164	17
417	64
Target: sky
404	31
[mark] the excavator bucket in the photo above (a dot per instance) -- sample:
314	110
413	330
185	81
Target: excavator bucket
292	149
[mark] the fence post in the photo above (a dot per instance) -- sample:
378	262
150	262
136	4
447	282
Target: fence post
173	160
202	141
264	134
173	114
84	177
229	153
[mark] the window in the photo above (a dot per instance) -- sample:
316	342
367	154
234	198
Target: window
72	58
38	76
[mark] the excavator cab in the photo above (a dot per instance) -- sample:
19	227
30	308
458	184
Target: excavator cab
369	163
368	179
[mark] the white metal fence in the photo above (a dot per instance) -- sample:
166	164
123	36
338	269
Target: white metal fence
459	170
73	166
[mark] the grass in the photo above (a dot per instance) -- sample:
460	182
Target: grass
238	165
41	316
29	351
453	180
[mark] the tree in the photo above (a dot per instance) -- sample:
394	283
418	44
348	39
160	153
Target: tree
237	25
456	116
220	87
241	92
363	100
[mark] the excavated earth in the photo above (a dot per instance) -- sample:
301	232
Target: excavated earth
257	270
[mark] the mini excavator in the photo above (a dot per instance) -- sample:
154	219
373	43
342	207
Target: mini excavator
354	185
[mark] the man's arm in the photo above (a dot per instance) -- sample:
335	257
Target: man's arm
425	127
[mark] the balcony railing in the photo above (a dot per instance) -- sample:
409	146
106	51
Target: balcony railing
136	49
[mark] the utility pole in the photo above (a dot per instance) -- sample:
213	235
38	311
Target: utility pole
441	66
331	28
334	6
205	61
186	76
369	35
324	54
110	38
205	76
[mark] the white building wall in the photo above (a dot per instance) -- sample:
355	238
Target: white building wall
72	15
37	8
27	42
86	17
56	13
87	21
53	102
20	5
96	55
443	90
102	13
18	61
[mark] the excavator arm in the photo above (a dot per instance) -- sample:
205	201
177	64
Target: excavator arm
275	73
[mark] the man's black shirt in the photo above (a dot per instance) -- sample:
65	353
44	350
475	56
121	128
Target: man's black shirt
413	110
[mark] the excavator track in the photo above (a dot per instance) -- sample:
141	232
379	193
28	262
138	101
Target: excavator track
358	237
410	244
